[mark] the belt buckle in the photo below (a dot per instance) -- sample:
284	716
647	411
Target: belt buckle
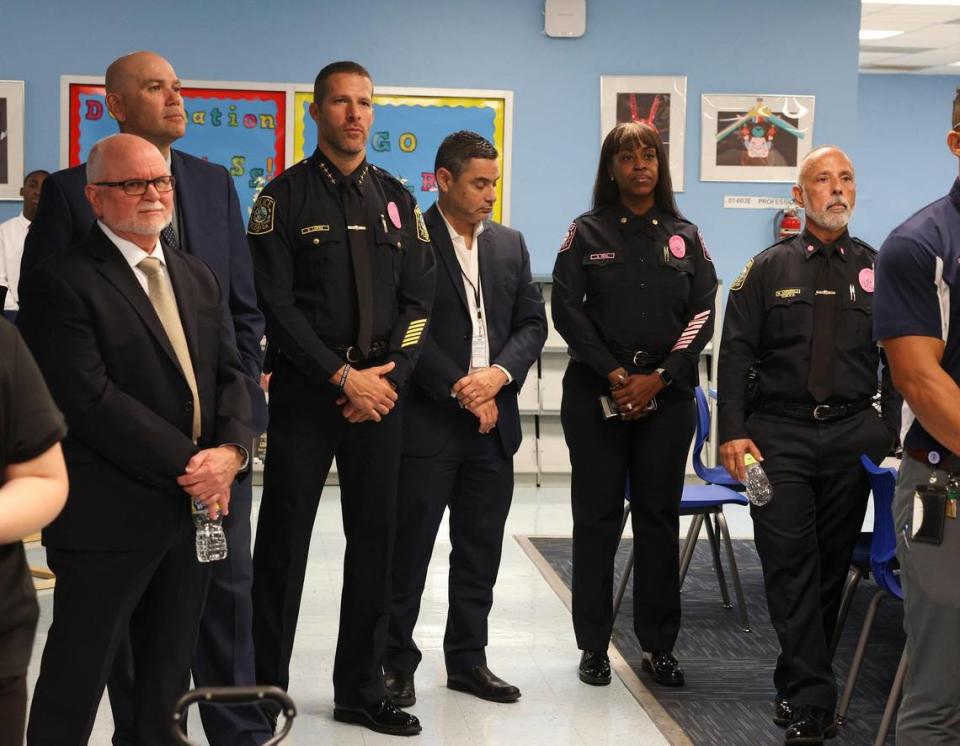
351	351
821	412
637	354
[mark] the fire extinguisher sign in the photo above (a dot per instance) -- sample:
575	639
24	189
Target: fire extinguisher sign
757	203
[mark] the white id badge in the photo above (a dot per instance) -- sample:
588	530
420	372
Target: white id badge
478	353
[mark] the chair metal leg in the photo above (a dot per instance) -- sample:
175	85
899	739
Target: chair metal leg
622	586
892	701
849	590
734	572
689	545
717	565
858	656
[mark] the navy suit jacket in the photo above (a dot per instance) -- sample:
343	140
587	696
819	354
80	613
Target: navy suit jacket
112	371
516	332
214	231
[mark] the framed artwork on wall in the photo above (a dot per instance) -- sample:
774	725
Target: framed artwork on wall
754	137
11	139
660	101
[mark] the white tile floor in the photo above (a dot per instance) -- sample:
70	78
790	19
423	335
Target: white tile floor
531	645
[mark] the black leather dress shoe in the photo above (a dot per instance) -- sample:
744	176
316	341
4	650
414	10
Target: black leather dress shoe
811	725
784	712
481	682
594	668
400	688
663	667
383	717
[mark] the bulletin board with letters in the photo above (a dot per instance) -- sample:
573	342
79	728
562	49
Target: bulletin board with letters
256	130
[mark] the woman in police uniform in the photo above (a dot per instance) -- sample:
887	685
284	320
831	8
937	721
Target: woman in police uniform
633	296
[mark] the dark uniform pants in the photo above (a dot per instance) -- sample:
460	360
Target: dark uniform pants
806	534
153	598
653	453
472	475
306	430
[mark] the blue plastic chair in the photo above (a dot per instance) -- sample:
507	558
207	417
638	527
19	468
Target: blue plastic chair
701	501
883	564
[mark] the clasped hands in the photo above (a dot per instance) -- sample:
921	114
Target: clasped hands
632	392
208	476
476	391
367	393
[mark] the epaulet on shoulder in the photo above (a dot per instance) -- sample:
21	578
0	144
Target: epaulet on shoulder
387	176
864	244
781	242
592	213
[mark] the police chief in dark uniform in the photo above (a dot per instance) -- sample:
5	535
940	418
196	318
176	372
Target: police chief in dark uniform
798	321
633	296
345	276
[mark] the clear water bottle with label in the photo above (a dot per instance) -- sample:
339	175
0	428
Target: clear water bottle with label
758	486
211	539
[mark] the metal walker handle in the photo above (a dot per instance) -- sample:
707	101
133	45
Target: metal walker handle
233	695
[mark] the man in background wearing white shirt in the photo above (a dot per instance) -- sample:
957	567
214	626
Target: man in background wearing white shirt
12	235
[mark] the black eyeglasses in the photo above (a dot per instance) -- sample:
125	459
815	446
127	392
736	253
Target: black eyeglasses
136	187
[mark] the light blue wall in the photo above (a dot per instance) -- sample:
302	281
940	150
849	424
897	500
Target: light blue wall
734	46
901	155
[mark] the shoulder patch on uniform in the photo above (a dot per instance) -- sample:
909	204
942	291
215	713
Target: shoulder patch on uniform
261	219
703	245
742	277
422	233
568	239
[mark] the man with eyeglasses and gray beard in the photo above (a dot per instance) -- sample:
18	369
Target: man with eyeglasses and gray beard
798	325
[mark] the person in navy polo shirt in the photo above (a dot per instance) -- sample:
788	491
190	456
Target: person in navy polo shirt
916	301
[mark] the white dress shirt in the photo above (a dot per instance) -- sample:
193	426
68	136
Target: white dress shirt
469	260
13	233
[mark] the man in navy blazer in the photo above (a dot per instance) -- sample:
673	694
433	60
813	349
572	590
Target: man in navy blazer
461	423
143	94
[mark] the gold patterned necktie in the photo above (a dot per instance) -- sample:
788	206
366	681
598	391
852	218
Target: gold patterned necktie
165	305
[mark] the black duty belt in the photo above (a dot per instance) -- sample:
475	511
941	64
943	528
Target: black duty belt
938	459
811	412
642	359
352	353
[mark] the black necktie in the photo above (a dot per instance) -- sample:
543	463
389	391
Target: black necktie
360	256
169	236
823	350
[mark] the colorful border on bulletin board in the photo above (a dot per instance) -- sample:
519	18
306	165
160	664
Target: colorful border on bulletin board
241	126
409	125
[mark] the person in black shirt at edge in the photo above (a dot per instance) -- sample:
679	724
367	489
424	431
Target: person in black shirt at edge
633	296
800	315
33	490
345	275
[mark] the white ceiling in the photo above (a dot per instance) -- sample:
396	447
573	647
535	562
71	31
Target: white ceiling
930	42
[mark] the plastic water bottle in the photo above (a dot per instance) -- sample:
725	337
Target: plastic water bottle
211	540
758	486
